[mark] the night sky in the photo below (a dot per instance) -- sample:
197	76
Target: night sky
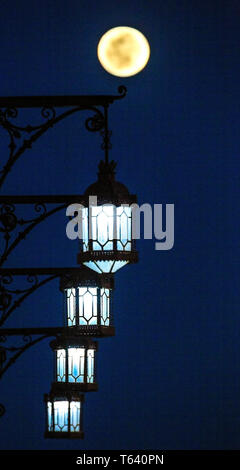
170	378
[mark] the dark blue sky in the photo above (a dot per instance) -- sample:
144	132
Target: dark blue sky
170	379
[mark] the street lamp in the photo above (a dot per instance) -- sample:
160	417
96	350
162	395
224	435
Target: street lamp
64	415
107	242
107	245
75	364
88	303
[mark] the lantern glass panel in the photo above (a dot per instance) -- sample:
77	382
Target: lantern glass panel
61	365
105	306
107	223
85	228
90	365
75	407
105	266
102	221
88	301
60	416
71	306
76	358
49	412
124	228
87	305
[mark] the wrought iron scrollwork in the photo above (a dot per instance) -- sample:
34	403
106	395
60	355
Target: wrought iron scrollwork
9	223
16	351
11	298
95	123
22	137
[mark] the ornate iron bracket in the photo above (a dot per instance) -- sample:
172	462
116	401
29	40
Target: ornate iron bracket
15	228
22	137
12	297
16	351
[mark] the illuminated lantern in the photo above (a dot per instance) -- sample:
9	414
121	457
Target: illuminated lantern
88	303
64	415
107	243
75	364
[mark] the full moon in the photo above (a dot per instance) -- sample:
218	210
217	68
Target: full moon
123	51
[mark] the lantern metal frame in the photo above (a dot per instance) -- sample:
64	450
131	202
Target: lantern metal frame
109	192
22	137
69	397
89	279
65	343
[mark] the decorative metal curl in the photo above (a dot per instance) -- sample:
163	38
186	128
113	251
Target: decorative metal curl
9	222
48	113
2	410
41	209
95	123
122	90
27	339
11	299
6	279
8	219
32	279
10	113
17	351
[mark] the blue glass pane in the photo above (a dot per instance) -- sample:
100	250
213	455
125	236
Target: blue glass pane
49	410
71	306
105	293
102	228
102	223
61	365
75	408
128	246
87	305
90	366
105	266
85	228
96	246
76	364
93	266
123	228
60	416
118	265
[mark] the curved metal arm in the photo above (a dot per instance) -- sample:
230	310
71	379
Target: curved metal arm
20	350
7	305
9	222
95	123
11	298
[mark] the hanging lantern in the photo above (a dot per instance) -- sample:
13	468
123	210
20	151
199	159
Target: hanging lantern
75	364
64	415
88	303
107	243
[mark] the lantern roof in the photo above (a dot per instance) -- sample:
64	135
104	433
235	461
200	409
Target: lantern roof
86	277
107	189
